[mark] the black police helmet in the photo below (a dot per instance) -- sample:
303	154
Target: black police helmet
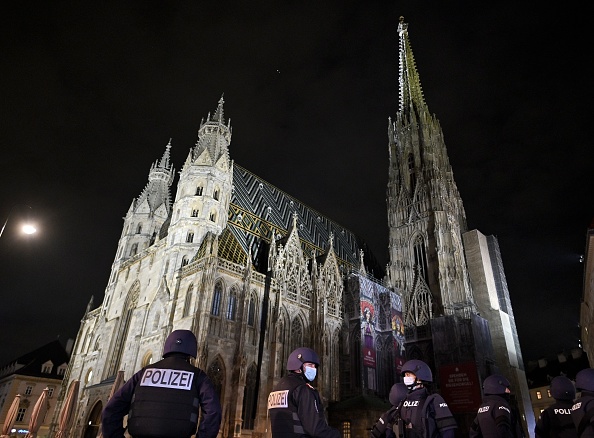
584	380
301	355
562	388
398	393
419	369
181	341
495	384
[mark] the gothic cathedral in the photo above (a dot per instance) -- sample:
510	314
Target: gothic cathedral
255	273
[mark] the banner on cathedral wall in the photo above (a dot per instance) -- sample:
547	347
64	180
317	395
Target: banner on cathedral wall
397	329
391	318
368	301
460	387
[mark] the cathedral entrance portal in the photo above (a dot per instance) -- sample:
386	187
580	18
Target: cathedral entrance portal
94	421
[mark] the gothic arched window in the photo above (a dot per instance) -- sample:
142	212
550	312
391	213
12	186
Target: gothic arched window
296	334
215	310
411	173
248	411
232	305
251	311
188	301
217	376
156	321
421	257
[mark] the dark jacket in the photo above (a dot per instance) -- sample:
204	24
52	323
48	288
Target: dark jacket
496	419
582	415
163	400
556	422
296	410
389	424
426	416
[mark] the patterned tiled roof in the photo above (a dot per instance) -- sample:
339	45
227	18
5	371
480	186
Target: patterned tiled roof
258	209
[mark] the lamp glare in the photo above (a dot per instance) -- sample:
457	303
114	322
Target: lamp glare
29	229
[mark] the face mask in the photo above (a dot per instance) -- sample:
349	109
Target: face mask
409	381
310	373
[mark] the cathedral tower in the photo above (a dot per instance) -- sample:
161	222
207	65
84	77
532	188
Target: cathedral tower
426	218
204	190
428	260
148	212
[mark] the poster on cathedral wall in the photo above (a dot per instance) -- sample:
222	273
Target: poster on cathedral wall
369	307
397	330
370	293
460	387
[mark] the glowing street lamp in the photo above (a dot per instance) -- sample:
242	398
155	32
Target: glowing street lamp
26	228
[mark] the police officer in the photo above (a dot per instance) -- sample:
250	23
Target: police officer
163	399
555	421
495	417
582	410
424	414
389	424
295	406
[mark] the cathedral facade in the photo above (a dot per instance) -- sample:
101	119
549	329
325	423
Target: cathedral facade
251	271
255	273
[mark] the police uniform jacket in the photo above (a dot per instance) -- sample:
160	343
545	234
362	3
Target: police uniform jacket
495	419
584	407
390	420
296	410
426	420
163	400
556	422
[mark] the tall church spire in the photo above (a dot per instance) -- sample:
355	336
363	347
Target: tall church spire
410	91
425	213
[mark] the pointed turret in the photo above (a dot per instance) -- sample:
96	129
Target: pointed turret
204	190
214	138
149	211
161	176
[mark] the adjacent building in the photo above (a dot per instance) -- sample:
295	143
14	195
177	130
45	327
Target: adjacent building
539	374
26	378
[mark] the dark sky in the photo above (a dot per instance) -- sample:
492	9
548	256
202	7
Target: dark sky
93	91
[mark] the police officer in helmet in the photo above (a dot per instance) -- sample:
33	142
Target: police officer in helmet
555	421
164	399
495	417
582	411
424	415
389	424
295	406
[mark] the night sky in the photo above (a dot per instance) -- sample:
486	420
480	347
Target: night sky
93	91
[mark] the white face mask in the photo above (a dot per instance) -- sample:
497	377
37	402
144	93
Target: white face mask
409	381
310	373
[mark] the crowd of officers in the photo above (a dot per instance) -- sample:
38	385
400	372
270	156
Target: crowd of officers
174	399
568	417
